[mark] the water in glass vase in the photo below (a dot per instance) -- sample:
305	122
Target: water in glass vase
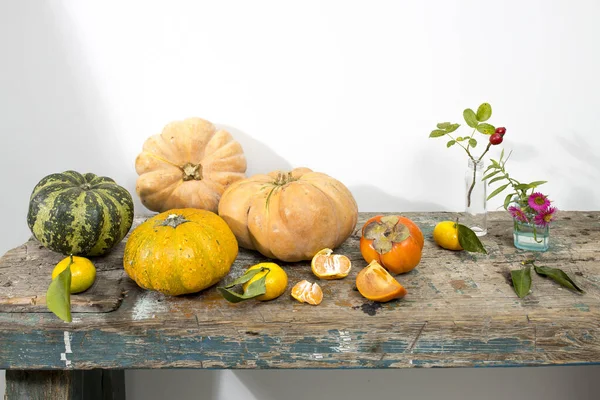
475	199
531	237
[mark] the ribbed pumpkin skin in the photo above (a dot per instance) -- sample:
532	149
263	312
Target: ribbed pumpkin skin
79	214
189	165
289	216
174	257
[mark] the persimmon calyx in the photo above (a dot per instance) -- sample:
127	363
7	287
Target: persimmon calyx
385	233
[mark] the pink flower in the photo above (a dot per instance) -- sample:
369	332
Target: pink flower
517	214
538	202
543	218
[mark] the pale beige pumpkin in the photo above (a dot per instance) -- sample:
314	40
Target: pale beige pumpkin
289	216
188	165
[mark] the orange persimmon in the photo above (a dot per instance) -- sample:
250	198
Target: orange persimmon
393	241
375	283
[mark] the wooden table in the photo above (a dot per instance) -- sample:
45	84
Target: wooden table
460	311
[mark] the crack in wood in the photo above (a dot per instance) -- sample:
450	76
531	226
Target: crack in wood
414	343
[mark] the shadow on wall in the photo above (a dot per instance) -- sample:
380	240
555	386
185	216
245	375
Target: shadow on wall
260	157
54	119
373	199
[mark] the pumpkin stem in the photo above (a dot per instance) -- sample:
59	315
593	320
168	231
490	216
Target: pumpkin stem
284	178
192	172
173	220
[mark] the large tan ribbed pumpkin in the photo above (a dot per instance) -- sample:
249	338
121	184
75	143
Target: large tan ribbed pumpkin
289	216
189	165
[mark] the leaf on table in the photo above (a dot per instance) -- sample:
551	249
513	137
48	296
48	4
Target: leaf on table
558	276
58	296
254	289
469	241
521	279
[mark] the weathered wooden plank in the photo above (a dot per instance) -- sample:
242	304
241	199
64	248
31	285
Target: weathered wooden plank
460	311
25	273
65	385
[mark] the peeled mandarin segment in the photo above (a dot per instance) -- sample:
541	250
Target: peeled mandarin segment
306	292
326	265
375	283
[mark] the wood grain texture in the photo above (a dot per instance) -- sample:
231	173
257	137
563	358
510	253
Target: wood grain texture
460	311
65	385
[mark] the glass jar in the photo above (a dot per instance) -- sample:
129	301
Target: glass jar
475	199
528	236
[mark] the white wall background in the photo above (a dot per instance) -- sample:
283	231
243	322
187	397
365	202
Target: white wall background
344	87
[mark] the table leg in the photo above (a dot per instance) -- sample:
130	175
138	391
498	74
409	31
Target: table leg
95	384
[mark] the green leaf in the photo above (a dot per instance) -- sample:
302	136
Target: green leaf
495	163
472	142
496	179
502	154
460	138
470	118
443	125
522	186
484	112
558	276
58	296
507	200
452	128
521	279
254	289
497	191
469	241
246	277
537	183
437	133
451	143
486	128
488	176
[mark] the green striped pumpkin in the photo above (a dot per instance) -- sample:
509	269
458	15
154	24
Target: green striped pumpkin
79	214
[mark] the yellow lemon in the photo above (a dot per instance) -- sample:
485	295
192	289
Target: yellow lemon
83	273
445	234
276	280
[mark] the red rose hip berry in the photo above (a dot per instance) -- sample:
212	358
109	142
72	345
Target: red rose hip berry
496	138
501	130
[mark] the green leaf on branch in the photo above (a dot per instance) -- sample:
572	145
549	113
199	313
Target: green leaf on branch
443	125
451	143
536	184
469	241
58	296
470	118
496	179
497	191
460	139
488	176
472	142
437	133
254	289
507	200
558	276
452	128
521	279
484	112
486	128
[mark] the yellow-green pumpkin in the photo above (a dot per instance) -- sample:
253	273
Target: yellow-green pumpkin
180	251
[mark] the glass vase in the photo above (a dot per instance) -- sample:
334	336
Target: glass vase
475	199
528	236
